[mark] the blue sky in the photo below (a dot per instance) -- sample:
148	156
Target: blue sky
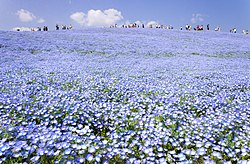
92	13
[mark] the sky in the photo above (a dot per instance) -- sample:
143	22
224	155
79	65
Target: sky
102	13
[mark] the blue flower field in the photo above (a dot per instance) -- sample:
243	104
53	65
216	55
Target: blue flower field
124	96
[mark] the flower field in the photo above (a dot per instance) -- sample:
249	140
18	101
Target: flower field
124	96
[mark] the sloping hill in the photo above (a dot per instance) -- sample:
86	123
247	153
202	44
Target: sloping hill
124	95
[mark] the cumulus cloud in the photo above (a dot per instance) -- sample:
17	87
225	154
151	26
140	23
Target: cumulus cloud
40	20
25	15
79	17
97	18
196	18
138	22
152	23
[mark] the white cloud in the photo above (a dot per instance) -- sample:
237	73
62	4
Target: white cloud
152	23
138	22
25	15
196	18
97	18
40	20
79	17
127	22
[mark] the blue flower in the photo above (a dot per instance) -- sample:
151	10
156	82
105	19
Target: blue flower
35	158
178	100
89	157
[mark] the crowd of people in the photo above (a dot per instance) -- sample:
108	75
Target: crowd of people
64	27
45	28
188	27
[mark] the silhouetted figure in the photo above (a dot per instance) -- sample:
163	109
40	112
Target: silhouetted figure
245	32
57	27
217	28
234	30
64	27
208	27
142	25
188	27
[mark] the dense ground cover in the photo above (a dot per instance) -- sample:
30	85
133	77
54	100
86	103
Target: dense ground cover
124	96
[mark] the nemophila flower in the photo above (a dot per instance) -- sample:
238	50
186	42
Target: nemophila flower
68	162
4	148
181	157
81	152
89	157
201	151
208	144
17	149
16	155
217	155
243	162
81	160
91	149
231	154
35	158
98	158
105	161
74	95
67	151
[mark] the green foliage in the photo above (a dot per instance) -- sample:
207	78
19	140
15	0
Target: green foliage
132	124
31	81
216	160
159	118
200	160
134	110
